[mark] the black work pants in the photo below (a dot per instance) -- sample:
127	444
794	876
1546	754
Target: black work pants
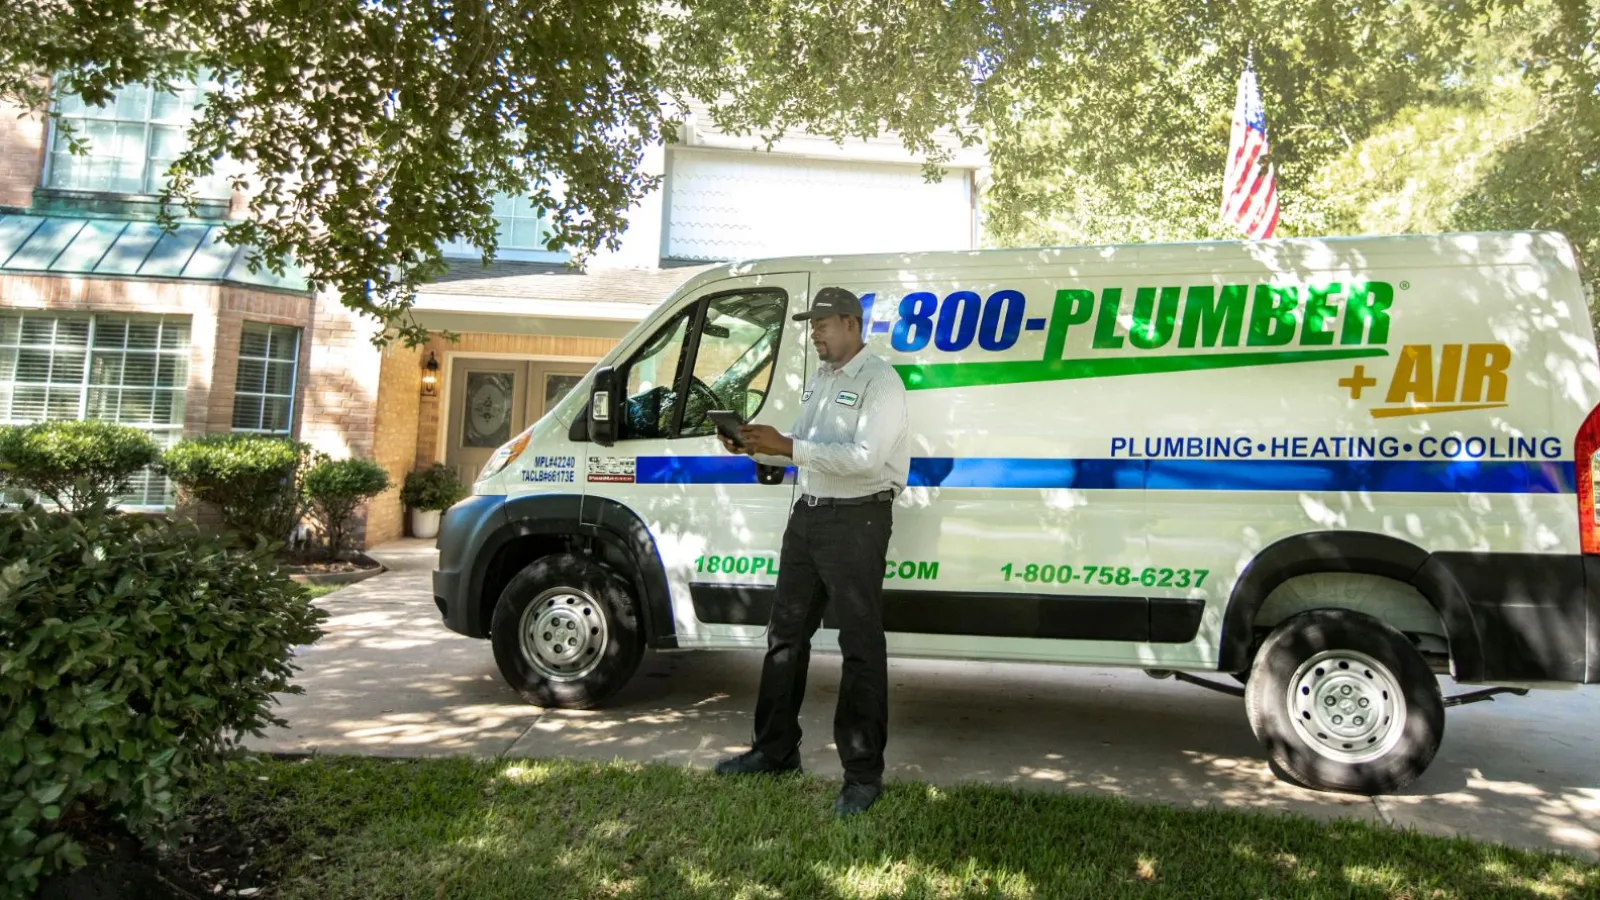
831	555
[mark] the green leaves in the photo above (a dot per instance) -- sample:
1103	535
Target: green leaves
100	707
333	490
371	133
254	481
433	488
77	465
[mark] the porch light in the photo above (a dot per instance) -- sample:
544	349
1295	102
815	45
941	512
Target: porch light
430	376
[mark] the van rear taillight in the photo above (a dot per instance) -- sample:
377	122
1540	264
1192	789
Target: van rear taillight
1583	456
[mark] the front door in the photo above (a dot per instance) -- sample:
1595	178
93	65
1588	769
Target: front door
718	525
488	407
549	382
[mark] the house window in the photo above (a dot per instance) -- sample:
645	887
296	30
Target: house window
130	370
521	229
131	142
263	391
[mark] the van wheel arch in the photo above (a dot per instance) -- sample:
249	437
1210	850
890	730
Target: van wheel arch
1352	552
597	527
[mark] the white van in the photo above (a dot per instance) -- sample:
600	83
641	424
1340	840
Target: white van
1328	468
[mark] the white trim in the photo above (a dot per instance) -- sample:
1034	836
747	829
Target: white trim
479	304
524	357
698	134
506	254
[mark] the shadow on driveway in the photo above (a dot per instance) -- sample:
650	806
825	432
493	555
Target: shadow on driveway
389	679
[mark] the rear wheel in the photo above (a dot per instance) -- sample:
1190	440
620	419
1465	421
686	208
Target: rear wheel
1343	702
565	633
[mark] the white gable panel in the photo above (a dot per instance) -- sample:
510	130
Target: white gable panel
744	205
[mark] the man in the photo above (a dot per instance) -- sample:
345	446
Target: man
851	450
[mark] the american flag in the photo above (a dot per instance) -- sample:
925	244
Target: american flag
1249	192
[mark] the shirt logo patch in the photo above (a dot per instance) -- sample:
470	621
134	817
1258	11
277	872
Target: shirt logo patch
848	398
805	397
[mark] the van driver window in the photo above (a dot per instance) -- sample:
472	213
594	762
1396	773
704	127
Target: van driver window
652	376
732	367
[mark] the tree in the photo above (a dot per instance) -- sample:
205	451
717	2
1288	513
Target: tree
1384	118
372	131
1512	143
1487	153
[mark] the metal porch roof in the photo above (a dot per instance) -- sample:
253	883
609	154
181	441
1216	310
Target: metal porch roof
120	248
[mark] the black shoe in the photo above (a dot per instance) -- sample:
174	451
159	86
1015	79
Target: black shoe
754	762
856	797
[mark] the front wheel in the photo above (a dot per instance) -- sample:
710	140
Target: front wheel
1343	702
565	633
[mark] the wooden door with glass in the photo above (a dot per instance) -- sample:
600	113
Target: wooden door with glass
488	407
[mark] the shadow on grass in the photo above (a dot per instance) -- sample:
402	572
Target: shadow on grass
545	829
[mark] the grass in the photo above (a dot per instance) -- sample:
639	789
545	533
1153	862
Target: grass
321	590
572	830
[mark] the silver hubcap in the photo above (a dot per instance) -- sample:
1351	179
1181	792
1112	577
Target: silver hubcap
563	634
1347	706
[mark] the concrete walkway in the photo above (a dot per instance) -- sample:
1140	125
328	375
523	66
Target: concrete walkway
389	679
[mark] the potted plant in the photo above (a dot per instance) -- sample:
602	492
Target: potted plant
429	492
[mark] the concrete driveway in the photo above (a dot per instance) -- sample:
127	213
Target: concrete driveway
389	679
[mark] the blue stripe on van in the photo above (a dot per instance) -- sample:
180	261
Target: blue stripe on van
1390	475
696	470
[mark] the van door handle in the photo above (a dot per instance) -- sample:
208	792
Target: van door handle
769	474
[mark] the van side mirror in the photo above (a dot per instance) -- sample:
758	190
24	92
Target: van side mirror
601	411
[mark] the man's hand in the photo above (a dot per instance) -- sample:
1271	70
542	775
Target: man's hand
731	447
766	440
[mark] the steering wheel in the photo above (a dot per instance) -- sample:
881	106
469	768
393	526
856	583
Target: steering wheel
699	391
701	400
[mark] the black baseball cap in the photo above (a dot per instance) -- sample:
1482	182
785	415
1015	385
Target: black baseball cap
832	301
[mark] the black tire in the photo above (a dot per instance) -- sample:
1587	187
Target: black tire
1393	750
569	594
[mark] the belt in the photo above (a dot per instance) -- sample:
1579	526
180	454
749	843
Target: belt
879	497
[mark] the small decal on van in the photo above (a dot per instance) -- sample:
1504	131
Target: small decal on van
806	396
848	398
613	469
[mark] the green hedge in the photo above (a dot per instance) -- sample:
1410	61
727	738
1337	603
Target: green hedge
334	488
254	481
77	465
135	653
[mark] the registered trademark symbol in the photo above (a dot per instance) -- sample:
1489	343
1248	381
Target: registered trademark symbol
1405	285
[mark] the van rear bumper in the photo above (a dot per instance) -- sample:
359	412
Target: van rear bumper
463	533
1518	617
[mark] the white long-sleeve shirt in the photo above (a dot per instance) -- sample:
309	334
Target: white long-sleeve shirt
851	437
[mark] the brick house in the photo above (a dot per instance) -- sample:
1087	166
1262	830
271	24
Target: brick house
102	315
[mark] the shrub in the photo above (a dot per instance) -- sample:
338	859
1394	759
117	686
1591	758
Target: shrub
254	481
137	653
435	487
76	465
334	488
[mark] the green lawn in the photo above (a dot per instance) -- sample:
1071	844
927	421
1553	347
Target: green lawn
322	590
557	830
